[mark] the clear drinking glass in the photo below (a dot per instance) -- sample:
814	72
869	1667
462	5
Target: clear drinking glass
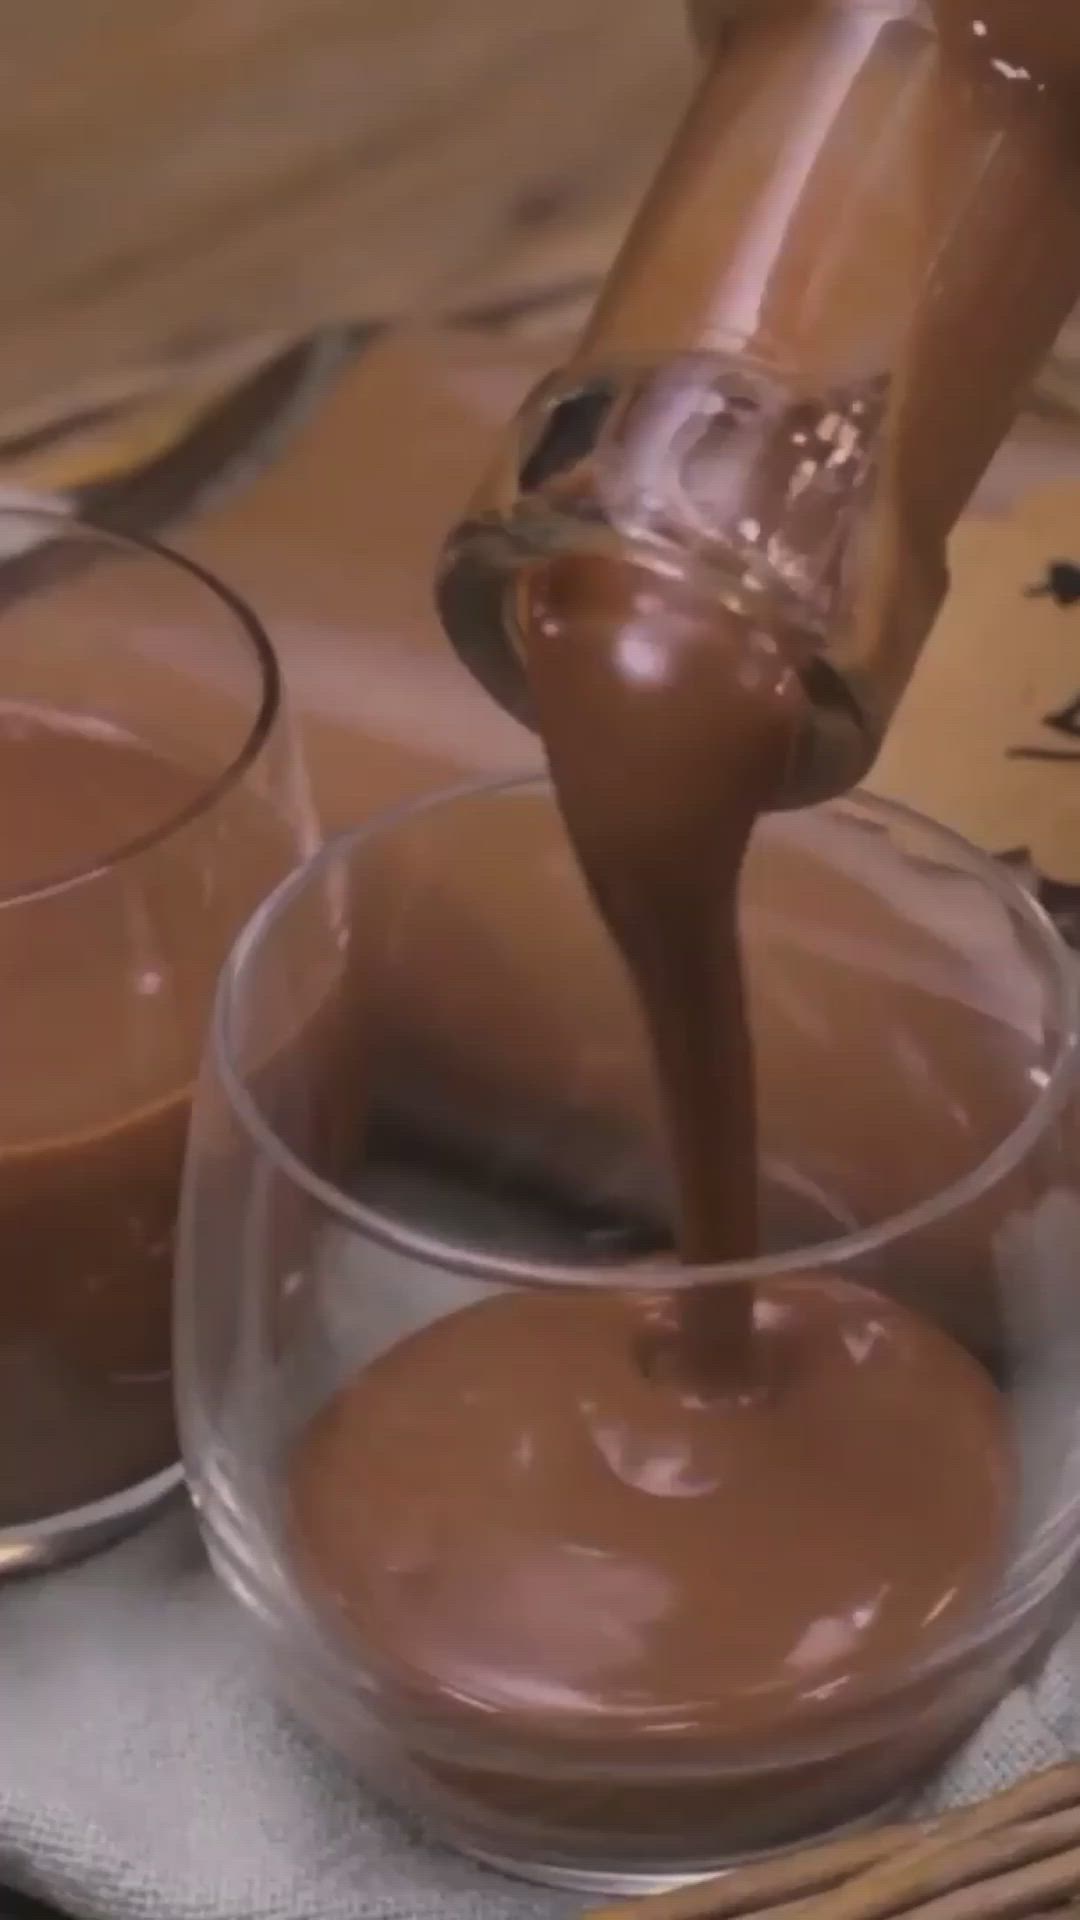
426	1109
150	795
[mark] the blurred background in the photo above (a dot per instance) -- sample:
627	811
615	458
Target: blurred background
278	270
196	190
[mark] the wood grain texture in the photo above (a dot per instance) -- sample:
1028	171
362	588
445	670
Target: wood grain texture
183	179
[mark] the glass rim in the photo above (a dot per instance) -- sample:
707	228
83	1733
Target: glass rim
383	1229
250	627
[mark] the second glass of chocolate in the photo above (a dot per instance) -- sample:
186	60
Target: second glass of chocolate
606	1624
149	797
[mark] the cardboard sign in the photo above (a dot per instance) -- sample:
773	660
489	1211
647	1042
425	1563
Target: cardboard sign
987	737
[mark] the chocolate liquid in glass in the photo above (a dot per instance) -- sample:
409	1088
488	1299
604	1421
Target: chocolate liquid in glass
107	967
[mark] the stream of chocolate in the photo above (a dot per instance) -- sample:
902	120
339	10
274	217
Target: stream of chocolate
698	717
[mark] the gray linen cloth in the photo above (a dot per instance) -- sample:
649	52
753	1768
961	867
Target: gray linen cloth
146	1773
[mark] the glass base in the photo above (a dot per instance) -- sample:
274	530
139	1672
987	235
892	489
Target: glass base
65	1537
637	1883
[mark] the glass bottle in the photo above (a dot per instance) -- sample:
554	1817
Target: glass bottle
861	247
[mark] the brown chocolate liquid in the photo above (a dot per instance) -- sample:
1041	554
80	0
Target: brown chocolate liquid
107	982
697	740
536	1544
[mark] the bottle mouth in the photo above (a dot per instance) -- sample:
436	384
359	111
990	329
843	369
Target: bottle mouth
712	470
473	597
478	598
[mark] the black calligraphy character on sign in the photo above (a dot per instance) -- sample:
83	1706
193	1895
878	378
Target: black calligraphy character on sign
1061	584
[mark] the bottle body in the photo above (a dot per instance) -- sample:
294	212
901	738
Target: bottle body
862	245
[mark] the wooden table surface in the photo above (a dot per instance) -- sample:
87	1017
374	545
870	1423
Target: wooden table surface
335	548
